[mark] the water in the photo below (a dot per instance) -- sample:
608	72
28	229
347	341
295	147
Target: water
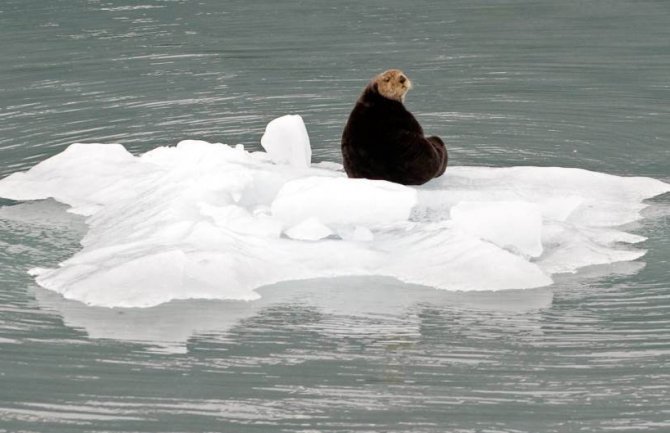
565	83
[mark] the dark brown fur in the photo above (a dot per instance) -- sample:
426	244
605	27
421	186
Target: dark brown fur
382	140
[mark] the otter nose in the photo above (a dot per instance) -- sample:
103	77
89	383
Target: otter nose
402	79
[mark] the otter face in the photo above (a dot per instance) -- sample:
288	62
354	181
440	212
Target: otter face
393	84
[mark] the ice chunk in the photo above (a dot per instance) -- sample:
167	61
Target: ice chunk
84	176
343	201
356	234
240	220
436	256
570	248
579	196
513	225
286	141
309	230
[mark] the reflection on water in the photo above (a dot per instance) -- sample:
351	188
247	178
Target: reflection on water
357	307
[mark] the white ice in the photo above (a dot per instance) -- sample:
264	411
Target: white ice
310	229
513	225
206	220
286	141
342	201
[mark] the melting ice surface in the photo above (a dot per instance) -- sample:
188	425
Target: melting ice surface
206	220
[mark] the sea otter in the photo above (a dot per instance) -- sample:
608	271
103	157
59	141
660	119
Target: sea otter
382	140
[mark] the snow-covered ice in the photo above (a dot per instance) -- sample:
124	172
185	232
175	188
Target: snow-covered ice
207	220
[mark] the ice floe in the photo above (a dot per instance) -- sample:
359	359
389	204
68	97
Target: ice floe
207	220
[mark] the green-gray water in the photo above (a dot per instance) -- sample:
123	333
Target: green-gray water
549	83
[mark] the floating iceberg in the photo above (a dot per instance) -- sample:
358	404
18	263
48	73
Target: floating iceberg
207	220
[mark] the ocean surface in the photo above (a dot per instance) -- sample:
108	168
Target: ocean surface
564	83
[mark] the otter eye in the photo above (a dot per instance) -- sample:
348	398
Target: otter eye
387	79
402	79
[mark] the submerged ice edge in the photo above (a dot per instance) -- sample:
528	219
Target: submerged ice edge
203	220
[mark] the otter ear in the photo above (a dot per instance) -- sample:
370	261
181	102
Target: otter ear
375	87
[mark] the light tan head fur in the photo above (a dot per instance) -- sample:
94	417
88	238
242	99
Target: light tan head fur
393	84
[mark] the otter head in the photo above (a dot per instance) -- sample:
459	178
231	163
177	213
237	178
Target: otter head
392	84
